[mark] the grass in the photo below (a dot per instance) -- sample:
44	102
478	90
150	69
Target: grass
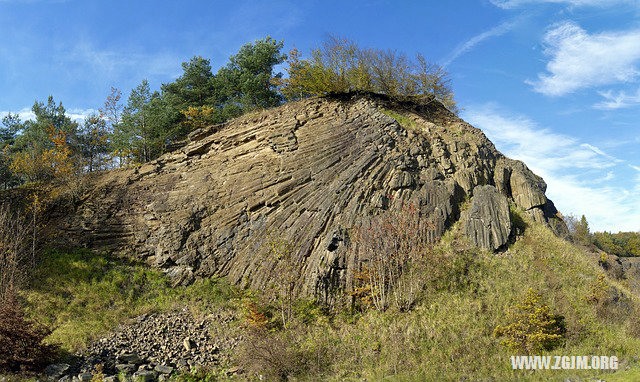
84	295
404	121
447	336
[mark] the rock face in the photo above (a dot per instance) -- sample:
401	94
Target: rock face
307	172
488	221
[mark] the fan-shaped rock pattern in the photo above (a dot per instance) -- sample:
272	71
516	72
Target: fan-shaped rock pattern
307	172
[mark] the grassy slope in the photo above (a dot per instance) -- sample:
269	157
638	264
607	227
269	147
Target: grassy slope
84	295
448	335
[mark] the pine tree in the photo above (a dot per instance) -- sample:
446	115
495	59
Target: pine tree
582	234
94	143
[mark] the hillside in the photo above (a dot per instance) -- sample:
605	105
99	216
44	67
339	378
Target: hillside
308	172
240	256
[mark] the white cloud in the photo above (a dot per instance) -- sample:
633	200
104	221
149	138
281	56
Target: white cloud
79	115
574	3
619	100
542	148
26	114
581	60
472	42
600	152
579	175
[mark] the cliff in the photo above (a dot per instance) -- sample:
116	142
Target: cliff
307	172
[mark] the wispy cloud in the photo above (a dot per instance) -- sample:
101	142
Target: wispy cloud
619	100
574	3
26	114
578	174
581	60
85	55
496	31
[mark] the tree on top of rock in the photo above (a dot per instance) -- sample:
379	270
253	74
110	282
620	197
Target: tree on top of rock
340	65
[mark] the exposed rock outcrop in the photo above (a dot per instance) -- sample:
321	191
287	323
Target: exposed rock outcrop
307	172
488	221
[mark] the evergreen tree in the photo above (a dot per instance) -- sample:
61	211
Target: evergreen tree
11	124
582	234
190	99
46	147
94	143
248	81
144	130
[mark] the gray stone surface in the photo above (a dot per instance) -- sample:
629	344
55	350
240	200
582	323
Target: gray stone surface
488	221
56	370
144	376
303	172
162	369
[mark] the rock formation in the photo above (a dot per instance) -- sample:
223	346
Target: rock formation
488	222
307	172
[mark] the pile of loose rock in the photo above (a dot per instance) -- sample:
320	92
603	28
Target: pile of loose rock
151	348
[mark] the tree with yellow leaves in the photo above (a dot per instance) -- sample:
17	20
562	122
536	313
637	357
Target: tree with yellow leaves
340	65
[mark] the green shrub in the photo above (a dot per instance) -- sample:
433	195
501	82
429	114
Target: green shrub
532	327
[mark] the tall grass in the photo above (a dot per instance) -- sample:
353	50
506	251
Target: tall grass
83	295
449	334
446	335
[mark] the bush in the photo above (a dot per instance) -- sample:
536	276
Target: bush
21	340
532	328
340	65
281	355
13	251
392	249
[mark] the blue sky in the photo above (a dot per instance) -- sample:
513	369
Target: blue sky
555	83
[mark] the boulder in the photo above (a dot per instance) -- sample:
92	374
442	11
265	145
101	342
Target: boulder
126	368
130	358
162	369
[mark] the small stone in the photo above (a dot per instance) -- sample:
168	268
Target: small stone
188	344
133	358
144	376
162	369
56	370
85	377
126	368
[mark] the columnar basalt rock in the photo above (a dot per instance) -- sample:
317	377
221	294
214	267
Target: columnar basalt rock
307	172
488	221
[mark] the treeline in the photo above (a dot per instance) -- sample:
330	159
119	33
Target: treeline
619	244
624	244
145	126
